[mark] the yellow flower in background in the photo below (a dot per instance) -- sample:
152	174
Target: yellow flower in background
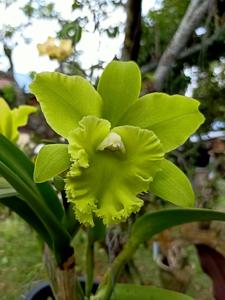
59	52
65	49
11	119
47	47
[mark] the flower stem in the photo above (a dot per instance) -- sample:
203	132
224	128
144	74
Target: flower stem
89	265
106	287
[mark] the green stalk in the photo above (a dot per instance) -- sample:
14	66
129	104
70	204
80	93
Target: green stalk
89	265
106	287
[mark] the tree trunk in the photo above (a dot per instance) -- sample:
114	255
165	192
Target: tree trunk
194	14
132	30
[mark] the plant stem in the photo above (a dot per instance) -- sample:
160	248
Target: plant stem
89	265
64	283
106	287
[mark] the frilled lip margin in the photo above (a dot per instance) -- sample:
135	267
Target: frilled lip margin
109	169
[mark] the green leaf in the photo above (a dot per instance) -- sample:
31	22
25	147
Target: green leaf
6	189
59	235
51	161
31	204
7	192
26	213
171	184
144	229
134	292
152	223
110	169
172	118
65	100
119	87
19	164
17	169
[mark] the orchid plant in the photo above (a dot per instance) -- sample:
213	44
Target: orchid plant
114	148
12	119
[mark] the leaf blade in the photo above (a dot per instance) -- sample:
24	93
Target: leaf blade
26	213
152	223
145	228
19	163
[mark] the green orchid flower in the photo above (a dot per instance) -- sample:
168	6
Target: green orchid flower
116	141
11	120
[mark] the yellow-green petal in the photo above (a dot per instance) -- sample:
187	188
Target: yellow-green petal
172	118
20	117
21	113
51	160
10	120
119	86
6	124
65	100
171	184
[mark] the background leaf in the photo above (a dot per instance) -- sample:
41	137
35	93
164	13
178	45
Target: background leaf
6	189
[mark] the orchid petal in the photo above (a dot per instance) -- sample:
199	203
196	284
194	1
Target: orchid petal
51	161
172	184
65	100
119	86
172	118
